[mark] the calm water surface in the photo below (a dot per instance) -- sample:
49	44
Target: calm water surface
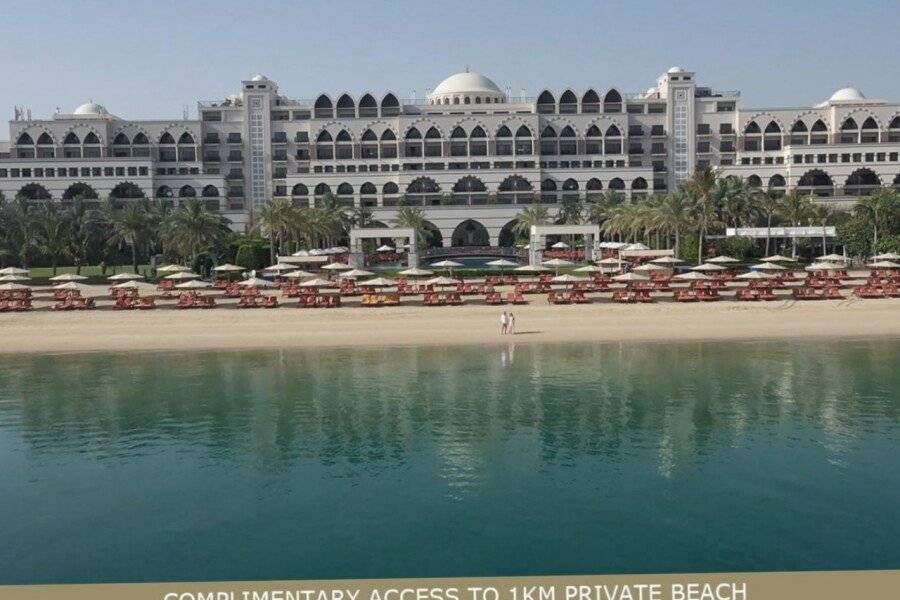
536	459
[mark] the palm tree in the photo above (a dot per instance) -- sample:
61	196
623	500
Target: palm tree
192	228
275	221
672	213
130	225
53	238
771	204
532	215
22	229
875	207
702	186
795	209
822	215
82	232
413	217
602	208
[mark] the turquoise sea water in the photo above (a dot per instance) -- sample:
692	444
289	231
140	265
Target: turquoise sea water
535	459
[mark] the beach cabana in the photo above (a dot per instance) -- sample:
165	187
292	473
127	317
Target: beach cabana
279	268
256	282
416	272
13	287
182	276
68	277
137	286
777	258
172	269
441	281
691	276
768	266
14	271
192	284
299	274
669	261
823	266
14	278
883	264
502	263
708	267
85	290
336	266
560	246
588	269
229	268
445	264
317	283
886	256
649	267
384	248
378	282
753	275
532	269
557	263
833	258
630	277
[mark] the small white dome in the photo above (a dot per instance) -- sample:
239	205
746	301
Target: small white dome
847	94
90	109
675	69
467	83
259	77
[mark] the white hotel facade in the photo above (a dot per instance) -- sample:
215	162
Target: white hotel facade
469	154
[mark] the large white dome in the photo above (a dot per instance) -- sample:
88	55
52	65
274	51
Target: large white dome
466	85
847	94
90	109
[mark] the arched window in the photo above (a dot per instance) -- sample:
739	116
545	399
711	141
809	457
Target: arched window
71	139
816	182
323	108
34	191
470	233
772	136
343	147
164	191
368	107
458	132
639	183
773	127
369	144
849	125
388	136
369	136
210	191
187	191
166	138
503	132
818	133
186	138
869	133
752	128
140	139
799	133
322	189
72	146
346	107
799	127
593	143
477	142
390	189
612	144
568	102
390	106
849	132
423	190
567	145
300	190
515	189
433	146
469	190
345	189
413	145
368	189
523	131
121	140
324	146
752	137
594	188
776	182
80	190
754	181
126	191
570	185
44	139
590	102
861	182
616	184
612	102
546	103
549	143
25	140
548	191
524	143
433	134
324	136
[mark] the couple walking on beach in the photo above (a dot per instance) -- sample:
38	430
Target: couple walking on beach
507	323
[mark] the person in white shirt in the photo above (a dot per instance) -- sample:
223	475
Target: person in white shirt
511	324
504	323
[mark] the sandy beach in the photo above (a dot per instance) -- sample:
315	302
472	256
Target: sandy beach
413	324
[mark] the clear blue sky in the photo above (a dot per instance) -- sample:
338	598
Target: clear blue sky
148	59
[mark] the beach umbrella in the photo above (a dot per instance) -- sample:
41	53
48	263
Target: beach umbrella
336	266
691	276
84	290
256	282
560	246
13	271
279	268
298	274
823	266
631	277
886	256
568	279
124	277
753	275
770	266
138	286
182	275
532	269
317	283
355	274
445	264
722	260
502	262
68	277
588	269
441	281
14	278
557	262
13	287
650	267
416	272
228	268
776	258
708	267
883	264
637	246
666	260
833	258
192	284
172	269
610	261
384	248
379	282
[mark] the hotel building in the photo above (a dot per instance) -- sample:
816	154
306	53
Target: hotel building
469	153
